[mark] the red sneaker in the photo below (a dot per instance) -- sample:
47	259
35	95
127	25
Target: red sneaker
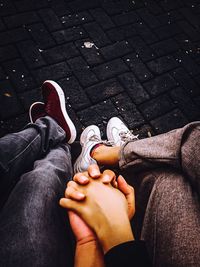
37	111
54	100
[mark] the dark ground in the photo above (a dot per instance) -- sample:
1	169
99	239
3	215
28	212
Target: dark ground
144	65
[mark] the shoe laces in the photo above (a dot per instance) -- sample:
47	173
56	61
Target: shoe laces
127	135
95	138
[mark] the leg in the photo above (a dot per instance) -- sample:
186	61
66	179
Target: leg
171	225
18	151
33	228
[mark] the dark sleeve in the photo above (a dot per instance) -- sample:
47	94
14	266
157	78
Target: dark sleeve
129	254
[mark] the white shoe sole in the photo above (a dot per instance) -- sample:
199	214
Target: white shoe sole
113	121
63	109
83	139
30	109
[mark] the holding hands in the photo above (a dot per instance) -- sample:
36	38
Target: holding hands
100	207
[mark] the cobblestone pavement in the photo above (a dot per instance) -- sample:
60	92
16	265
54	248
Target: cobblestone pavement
139	60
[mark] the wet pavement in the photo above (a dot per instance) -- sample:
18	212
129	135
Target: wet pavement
139	60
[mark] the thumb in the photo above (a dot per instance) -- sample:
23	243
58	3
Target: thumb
128	191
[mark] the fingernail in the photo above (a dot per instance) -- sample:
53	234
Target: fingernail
94	173
106	179
83	179
80	195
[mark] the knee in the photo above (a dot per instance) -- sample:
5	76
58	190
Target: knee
43	182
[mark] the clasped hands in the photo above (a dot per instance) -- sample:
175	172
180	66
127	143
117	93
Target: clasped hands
100	207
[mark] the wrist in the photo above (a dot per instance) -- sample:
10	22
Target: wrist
86	241
115	234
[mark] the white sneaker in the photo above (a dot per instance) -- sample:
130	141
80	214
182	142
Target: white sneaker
90	137
118	133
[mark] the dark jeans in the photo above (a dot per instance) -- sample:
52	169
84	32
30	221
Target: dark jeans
35	166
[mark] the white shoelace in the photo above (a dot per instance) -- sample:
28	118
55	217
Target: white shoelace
95	138
127	136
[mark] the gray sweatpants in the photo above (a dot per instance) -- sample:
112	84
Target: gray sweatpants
166	171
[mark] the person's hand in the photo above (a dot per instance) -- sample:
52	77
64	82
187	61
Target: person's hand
104	208
83	233
107	177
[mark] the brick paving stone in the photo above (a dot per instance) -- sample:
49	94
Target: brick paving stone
139	60
80	5
27	98
126	18
189	30
162	64
102	18
97	34
7	52
121	33
23	83
8	98
91	55
144	51
31	54
75	19
115	50
71	34
19	75
185	104
172	120
104	90
59	53
41	35
165	47
7	8
153	7
113	7
170	5
188	63
11	36
160	84
138	67
190	16
60	7
134	88
14	124
21	19
110	69
128	110
186	81
169	17
197	101
74	93
145	32
148	18
98	113
156	107
2	26
2	74
82	71
22	5
50	19
52	72
167	31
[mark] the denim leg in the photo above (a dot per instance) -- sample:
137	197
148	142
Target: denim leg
18	151
34	230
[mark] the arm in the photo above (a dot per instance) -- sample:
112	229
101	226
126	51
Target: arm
89	255
88	251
